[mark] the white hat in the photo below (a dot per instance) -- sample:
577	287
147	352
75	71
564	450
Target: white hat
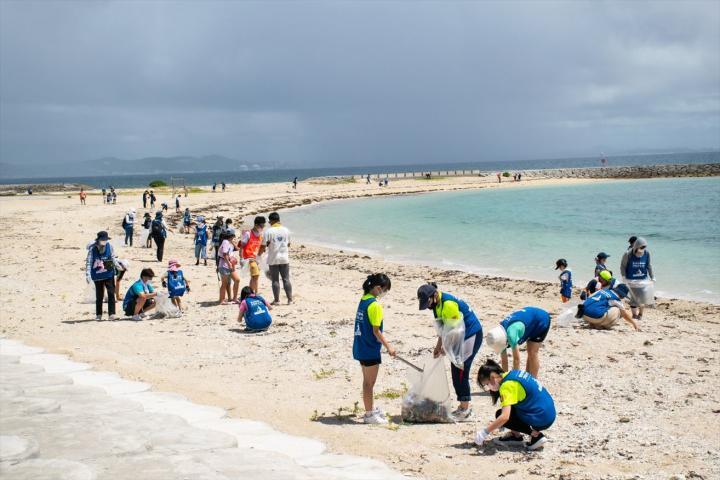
497	339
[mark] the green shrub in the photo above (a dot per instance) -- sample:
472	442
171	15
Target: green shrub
157	183
506	174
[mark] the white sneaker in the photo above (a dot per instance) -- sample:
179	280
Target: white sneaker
113	317
375	418
143	315
462	415
136	318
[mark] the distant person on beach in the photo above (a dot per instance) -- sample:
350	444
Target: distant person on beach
104	193
529	325
277	242
368	179
121	267
295	183
252	247
565	280
187	220
147	223
108	199
449	310
176	282
227	268
145	198
386	181
153	198
635	265
214	187
164	207
255	310
185	190
217	230
201	240
223	186
128	225
100	269
527	407
83	195
158	231
140	297
369	340
114	196
177	204
499	177
600	263
519	176
603	309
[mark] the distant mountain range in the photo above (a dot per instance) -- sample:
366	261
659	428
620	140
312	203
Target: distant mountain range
116	166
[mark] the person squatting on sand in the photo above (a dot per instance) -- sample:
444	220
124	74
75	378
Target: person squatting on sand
369	339
252	247
603	309
277	241
140	297
529	324
449	310
527	407
227	268
565	280
100	269
176	282
635	265
255	310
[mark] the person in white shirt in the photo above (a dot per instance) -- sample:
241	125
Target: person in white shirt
277	241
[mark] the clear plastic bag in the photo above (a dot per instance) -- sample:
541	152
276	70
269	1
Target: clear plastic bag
89	296
428	400
452	333
264	267
164	306
567	317
642	292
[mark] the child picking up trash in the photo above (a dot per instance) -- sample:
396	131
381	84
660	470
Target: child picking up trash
255	310
176	283
529	325
369	339
527	407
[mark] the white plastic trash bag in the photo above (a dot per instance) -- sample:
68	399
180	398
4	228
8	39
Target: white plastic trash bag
567	317
452	333
428	400
264	267
642	292
164	306
144	234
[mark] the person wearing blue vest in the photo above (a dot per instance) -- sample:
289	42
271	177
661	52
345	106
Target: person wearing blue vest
176	282
635	265
448	308
201	240
187	220
565	280
128	224
100	269
529	325
158	231
255	310
140	297
369	339
527	407
603	308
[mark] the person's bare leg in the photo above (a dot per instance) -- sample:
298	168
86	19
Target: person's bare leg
223	287
254	281
369	377
533	358
236	285
464	405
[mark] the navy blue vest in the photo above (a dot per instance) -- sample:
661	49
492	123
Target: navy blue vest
538	408
536	321
636	267
102	266
257	316
176	283
365	345
472	324
599	303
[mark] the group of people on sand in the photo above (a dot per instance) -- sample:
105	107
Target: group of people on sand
527	408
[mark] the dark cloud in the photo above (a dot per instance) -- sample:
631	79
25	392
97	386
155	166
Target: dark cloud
356	82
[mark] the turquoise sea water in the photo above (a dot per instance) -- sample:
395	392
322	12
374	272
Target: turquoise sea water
520	232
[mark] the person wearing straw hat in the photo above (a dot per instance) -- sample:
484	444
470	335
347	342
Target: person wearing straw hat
528	325
176	282
100	269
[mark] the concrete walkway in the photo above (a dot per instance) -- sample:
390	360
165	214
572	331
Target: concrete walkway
60	420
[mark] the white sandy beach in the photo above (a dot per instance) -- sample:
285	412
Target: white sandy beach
631	405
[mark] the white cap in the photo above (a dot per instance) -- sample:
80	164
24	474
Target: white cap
497	339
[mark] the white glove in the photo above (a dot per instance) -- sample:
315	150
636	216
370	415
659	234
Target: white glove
481	436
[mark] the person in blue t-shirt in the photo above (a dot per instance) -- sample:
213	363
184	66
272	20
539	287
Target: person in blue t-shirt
565	280
529	325
369	339
254	310
527	407
140	297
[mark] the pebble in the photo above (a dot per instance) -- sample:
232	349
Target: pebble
624	419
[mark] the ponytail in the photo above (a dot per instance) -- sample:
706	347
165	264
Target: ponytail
489	367
376	280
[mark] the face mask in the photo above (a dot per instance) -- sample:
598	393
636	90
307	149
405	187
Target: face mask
102	243
381	294
493	385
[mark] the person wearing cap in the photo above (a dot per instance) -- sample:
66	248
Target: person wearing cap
252	247
565	280
100	269
600	263
447	308
147	223
604	280
176	283
635	265
128	224
603	309
158	230
140	297
528	325
201	240
227	268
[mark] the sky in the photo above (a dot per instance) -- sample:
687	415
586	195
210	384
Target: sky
316	83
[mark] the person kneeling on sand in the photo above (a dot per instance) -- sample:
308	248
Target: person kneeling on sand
531	325
176	283
527	407
140	297
369	339
255	310
603	309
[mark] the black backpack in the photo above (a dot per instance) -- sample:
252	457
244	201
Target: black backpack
156	228
124	223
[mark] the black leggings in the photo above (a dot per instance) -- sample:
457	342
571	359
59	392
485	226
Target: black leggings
517	425
100	287
160	242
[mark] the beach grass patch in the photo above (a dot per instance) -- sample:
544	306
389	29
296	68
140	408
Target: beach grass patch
323	373
392	393
157	184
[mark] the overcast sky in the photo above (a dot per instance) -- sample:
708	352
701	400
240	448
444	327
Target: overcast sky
343	83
